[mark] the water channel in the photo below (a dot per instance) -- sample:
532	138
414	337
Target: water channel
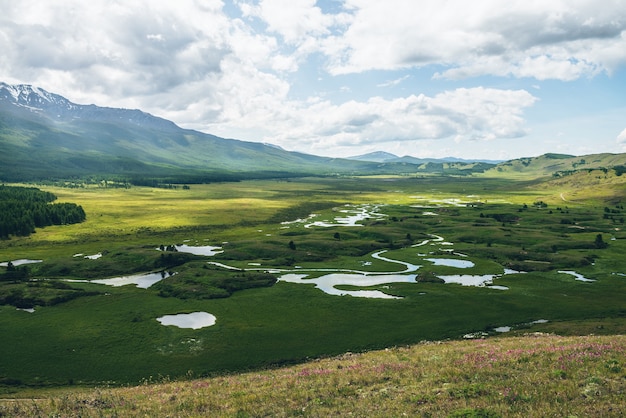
330	282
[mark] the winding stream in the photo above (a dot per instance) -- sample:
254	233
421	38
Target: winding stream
329	283
335	277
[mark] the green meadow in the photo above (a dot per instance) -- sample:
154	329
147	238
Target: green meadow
85	334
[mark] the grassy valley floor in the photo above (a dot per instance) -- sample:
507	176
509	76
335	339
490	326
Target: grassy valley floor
535	375
555	259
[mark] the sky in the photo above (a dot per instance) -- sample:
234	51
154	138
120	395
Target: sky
481	79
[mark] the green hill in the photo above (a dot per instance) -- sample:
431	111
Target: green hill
549	165
532	376
593	178
34	146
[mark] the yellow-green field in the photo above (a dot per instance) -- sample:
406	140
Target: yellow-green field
119	211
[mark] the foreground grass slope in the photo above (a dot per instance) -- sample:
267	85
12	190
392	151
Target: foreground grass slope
532	375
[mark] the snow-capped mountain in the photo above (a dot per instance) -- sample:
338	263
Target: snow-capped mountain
58	108
33	97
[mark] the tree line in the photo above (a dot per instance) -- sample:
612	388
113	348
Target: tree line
22	209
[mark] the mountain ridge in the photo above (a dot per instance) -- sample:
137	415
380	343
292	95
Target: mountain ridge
55	106
40	128
387	157
556	165
46	136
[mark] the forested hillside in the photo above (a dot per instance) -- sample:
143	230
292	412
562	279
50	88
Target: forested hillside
22	209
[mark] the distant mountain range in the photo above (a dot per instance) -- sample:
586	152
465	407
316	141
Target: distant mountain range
45	136
386	157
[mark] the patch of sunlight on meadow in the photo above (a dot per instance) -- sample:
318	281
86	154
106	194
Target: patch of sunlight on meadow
123	211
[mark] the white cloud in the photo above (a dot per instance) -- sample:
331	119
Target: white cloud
122	49
462	114
300	25
392	83
545	40
621	138
236	76
293	20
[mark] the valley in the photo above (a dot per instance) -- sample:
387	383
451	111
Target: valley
258	245
320	208
155	254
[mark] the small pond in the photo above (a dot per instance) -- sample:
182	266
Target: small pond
502	329
471	280
19	262
508	328
206	250
577	276
142	281
451	262
478	280
89	257
94	256
194	320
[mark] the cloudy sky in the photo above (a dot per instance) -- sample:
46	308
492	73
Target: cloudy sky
485	79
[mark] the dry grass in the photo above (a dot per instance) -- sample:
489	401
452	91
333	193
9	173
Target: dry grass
534	375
